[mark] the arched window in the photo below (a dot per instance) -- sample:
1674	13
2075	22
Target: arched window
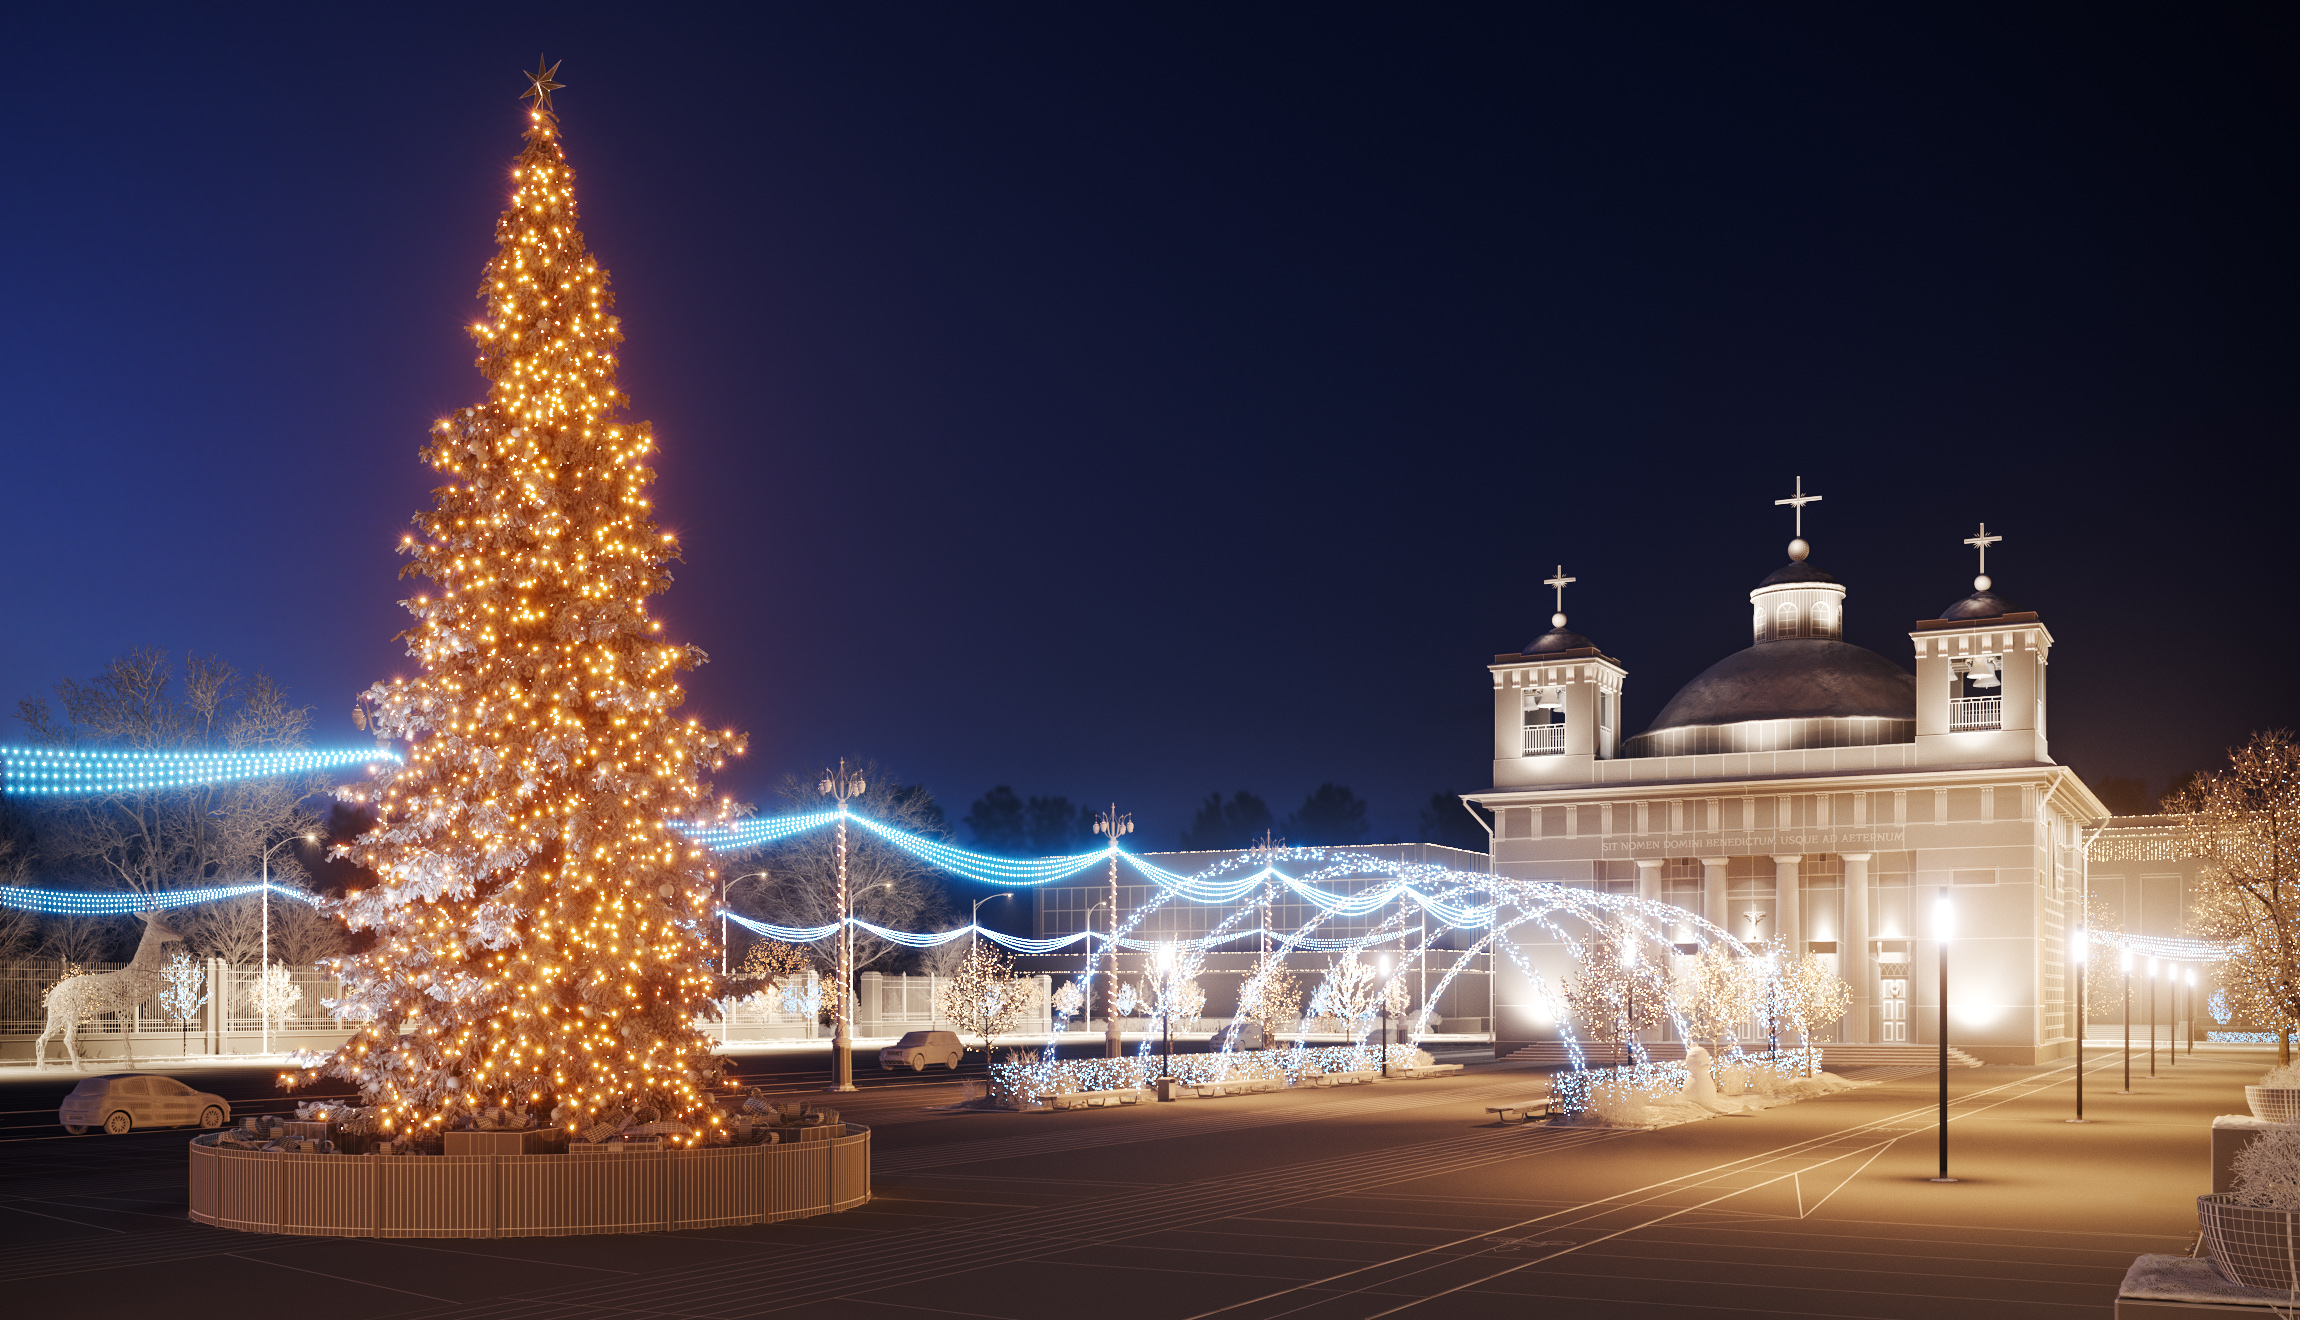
1785	621
1757	625
1824	618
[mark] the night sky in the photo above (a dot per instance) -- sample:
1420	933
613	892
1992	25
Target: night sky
1134	402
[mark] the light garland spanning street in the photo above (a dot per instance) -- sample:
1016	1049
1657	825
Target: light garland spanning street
2169	948
77	770
1021	944
80	903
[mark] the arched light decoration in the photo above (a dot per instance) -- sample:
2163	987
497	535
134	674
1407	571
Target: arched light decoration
53	770
80	903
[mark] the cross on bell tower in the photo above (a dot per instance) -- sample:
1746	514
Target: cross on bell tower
1798	549
1981	542
1557	620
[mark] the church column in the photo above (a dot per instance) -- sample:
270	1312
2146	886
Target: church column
1788	913
1854	961
1649	880
1713	894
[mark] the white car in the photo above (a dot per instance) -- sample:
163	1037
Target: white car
118	1102
917	1049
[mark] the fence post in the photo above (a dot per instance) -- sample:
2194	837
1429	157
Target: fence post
869	1001
1045	984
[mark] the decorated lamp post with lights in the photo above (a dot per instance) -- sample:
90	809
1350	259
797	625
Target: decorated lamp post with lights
1944	930
1166	1012
2191	1012
1112	826
841	787
1384	1044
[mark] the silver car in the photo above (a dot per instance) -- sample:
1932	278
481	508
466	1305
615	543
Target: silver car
917	1049
118	1102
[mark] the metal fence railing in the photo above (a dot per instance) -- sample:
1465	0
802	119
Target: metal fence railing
1976	713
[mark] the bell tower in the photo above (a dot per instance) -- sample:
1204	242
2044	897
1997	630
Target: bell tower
1556	705
1981	677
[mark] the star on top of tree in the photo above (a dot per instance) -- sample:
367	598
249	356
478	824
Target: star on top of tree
540	85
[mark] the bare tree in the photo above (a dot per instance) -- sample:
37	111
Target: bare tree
886	885
302	935
170	838
2244	822
232	930
19	930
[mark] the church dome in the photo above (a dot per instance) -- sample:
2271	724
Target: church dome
1794	680
1799	684
1983	604
1558	639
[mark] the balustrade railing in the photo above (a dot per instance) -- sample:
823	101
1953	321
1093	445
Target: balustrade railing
1967	713
1544	739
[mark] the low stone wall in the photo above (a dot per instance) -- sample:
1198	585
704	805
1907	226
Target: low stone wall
475	1196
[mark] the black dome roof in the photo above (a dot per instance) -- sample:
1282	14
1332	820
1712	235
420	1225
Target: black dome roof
1557	639
1807	678
1980	605
1796	570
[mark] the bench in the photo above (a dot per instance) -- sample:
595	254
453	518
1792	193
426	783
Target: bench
1427	1070
1093	1099
1525	1113
1338	1078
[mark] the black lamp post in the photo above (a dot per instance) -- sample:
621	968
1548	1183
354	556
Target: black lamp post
1944	926
2124	961
2080	951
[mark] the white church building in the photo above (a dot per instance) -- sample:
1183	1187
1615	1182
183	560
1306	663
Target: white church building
1807	789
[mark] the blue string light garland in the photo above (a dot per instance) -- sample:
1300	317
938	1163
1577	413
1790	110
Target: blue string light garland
48	770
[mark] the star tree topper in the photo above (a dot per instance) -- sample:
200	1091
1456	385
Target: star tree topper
540	84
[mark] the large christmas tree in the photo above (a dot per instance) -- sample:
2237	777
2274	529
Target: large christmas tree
542	936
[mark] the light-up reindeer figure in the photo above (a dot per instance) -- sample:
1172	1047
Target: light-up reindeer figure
79	998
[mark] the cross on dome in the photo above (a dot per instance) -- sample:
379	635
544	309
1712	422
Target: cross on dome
1981	542
1557	620
1798	549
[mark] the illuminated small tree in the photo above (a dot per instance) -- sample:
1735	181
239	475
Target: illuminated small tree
1271	999
1173	989
1615	994
985	997
1714	992
2244	823
1817	997
1350	993
1068	1000
184	992
276	993
538	906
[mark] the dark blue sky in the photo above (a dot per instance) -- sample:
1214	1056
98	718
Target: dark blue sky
1129	402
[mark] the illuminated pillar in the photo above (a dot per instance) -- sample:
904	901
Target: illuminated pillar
1853	960
1713	895
1649	880
1788	918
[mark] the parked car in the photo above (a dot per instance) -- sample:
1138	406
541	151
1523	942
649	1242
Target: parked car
917	1049
117	1102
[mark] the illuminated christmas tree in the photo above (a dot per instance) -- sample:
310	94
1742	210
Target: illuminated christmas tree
542	938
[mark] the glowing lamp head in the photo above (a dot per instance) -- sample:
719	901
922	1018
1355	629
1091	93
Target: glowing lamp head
1165	957
2124	961
2192	978
1944	918
1385	964
2078	947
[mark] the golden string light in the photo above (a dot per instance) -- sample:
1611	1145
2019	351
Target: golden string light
541	929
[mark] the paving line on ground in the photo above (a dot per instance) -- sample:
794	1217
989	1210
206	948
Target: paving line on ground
1051	1230
1891	1128
1180	1126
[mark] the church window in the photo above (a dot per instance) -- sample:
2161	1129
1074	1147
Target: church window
1785	621
1824	618
1757	624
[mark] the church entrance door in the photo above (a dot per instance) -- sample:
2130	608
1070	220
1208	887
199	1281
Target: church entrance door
1895	991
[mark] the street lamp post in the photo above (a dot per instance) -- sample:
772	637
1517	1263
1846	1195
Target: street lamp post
1113	827
2172	1027
726	967
2124	963
974	921
2191	1012
1093	958
2080	952
263	976
1385	1040
1166	1012
841	787
1944	924
2152	1017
